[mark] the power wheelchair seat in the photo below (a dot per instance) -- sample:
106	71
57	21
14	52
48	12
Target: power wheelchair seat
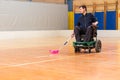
93	44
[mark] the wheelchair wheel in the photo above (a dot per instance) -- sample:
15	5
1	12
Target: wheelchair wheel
98	46
89	50
77	49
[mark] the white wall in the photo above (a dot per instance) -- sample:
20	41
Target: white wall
52	33
18	15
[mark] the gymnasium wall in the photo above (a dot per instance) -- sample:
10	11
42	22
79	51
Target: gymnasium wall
99	7
119	14
91	2
20	15
50	1
119	19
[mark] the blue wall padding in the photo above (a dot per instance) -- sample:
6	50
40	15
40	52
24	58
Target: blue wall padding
70	5
76	17
111	20
100	18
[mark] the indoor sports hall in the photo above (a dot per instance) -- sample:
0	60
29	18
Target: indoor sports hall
36	43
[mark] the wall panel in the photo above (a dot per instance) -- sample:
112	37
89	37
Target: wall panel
91	2
50	1
15	15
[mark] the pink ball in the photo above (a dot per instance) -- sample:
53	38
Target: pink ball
54	51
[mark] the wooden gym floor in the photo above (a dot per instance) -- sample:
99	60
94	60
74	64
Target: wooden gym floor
29	59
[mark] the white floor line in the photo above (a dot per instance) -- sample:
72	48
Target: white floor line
4	64
23	64
51	55
41	56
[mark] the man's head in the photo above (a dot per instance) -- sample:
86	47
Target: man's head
83	9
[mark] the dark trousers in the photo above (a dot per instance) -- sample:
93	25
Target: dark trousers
88	32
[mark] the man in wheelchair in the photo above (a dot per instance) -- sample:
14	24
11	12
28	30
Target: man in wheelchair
85	29
85	26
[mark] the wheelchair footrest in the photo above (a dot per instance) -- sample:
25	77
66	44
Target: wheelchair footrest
83	44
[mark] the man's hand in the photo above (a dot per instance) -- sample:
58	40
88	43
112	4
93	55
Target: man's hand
72	35
95	23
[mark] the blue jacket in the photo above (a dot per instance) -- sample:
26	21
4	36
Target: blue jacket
86	20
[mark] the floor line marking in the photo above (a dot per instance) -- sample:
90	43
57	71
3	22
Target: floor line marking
23	64
41	56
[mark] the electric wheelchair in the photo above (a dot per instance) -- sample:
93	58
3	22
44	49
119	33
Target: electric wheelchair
93	44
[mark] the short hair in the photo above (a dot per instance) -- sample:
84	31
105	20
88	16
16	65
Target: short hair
83	6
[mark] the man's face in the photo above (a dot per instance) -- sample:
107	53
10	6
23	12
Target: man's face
82	10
